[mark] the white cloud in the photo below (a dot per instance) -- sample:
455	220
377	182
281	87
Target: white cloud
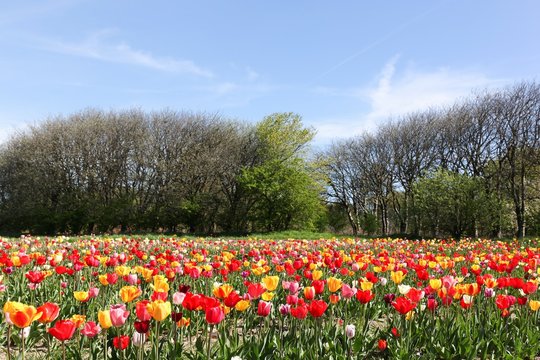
417	90
96	47
396	93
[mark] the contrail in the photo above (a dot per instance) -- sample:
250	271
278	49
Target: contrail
377	42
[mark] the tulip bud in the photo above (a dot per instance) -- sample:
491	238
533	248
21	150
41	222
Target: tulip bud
139	339
350	331
25	332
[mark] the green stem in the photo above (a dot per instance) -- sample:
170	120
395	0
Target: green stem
47	340
156	341
105	344
8	341
208	344
22	338
63	350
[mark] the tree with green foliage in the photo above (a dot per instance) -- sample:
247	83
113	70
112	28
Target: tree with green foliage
449	202
285	191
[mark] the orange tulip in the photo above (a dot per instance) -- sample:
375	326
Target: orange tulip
22	315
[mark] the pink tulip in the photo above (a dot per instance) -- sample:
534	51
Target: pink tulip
178	298
293	287
285	284
132	279
91	329
119	315
347	292
93	292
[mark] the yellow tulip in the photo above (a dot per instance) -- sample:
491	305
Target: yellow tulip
267	296
409	315
397	276
129	293
16	260
534	305
12	306
159	309
78	320
317	274
334	284
435	284
366	285
242	305
104	318
81	295
161	284
271	282
122	270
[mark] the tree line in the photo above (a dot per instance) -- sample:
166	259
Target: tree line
95	171
470	169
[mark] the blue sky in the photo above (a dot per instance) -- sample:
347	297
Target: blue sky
345	66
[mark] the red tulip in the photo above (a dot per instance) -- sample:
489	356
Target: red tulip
49	312
121	342
159	295
141	311
112	278
317	308
529	287
299	312
502	302
318	285
63	330
35	277
142	327
291	299
432	304
415	295
364	296
192	301
255	290
232	299
403	305
214	315
176	316
382	344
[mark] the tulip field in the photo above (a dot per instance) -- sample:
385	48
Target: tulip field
179	298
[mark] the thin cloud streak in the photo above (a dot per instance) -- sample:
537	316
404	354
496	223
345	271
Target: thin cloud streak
95	47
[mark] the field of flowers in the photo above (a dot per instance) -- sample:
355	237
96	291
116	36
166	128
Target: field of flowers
174	298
